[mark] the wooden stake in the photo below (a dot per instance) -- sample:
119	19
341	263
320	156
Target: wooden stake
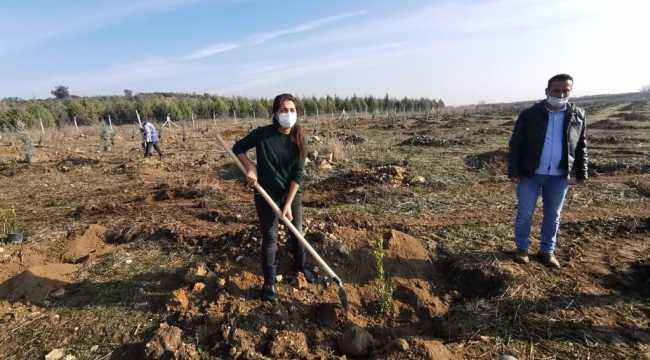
42	128
110	123
138	115
192	119
75	124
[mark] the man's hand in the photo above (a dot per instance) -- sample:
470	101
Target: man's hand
286	212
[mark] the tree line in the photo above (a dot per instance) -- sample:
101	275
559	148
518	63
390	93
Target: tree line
89	110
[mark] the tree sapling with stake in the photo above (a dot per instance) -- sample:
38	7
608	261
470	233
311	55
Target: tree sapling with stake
28	144
106	135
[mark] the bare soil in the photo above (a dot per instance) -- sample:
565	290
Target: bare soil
132	258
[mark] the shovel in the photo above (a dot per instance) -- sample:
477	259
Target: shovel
342	295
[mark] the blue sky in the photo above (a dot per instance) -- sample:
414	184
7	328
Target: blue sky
460	51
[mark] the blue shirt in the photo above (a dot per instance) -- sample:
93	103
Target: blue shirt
549	162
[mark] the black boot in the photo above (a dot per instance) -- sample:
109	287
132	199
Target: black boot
300	265
268	291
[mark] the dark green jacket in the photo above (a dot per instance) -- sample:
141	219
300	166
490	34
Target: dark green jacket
276	165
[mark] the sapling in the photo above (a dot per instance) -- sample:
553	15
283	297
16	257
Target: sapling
106	135
28	144
384	287
9	218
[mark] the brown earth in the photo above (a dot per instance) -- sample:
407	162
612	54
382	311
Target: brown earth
131	258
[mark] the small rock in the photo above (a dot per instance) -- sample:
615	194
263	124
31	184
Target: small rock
343	249
263	329
56	317
221	284
301	281
198	287
65	169
325	166
128	261
69	357
94	348
239	258
402	344
55	354
418	179
316	269
179	300
456	295
57	294
2	250
233	351
278	278
507	357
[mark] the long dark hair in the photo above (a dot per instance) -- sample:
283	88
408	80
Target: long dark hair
298	147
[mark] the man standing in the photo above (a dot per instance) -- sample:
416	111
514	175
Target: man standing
150	138
547	143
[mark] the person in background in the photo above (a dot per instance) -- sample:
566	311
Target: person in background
150	139
547	143
281	152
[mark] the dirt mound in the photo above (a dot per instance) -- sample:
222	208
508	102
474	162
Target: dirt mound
355	342
36	283
166	192
79	161
643	187
611	227
634	116
87	246
458	123
617	168
495	161
609	124
509	123
613	139
354	139
493	131
408	264
391	175
167	344
289	345
423	140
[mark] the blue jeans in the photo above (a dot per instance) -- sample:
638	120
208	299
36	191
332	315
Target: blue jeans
554	189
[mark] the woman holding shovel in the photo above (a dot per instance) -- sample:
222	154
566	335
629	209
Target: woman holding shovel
281	153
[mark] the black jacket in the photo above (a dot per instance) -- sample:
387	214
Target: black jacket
528	137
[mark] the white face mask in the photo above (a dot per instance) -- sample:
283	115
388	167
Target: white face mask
287	120
556	101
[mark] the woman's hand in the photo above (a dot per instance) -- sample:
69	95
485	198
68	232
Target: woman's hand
251	176
286	212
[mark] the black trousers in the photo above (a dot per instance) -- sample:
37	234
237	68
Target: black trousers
147	151
269	226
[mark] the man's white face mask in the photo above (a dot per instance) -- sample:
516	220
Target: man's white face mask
556	101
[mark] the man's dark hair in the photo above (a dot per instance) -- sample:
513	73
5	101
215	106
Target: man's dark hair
559	77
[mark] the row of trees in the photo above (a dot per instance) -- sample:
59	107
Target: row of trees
63	108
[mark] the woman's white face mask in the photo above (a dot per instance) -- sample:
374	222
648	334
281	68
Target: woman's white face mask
287	120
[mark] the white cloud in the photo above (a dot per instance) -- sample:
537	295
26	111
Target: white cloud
211	50
266	36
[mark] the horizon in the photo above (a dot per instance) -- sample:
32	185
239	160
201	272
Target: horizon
258	49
